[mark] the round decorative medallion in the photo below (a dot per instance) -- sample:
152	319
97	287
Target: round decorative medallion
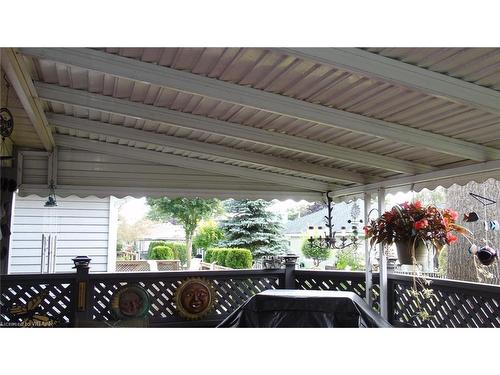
194	298
6	123
129	302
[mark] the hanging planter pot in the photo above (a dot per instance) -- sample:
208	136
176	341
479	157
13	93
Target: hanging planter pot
405	251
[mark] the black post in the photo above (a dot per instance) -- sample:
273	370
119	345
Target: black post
290	262
81	293
390	299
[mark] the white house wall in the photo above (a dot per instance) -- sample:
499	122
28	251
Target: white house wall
82	226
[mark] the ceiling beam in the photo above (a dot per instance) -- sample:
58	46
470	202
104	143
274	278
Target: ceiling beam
19	77
402	74
123	132
473	169
249	97
191	163
195	122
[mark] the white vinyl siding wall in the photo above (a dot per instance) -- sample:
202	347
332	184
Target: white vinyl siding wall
81	226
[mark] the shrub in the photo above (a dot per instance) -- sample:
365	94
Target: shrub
239	258
348	258
180	251
156	243
161	252
315	252
220	256
208	235
209	255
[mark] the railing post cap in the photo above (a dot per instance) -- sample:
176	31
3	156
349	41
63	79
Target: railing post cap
81	262
290	258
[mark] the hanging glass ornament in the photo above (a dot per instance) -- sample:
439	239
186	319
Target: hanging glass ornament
486	255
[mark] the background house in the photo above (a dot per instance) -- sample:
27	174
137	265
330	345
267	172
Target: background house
160	232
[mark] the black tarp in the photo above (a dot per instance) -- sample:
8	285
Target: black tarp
304	308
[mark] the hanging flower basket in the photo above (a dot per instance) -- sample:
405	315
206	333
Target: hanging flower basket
411	225
409	248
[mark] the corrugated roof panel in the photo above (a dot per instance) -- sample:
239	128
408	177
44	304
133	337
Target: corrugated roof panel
274	72
390	103
477	65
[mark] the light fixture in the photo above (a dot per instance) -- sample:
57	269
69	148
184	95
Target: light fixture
51	200
330	240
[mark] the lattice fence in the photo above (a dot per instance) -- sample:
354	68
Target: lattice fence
132	265
168	265
36	304
331	280
230	294
447	307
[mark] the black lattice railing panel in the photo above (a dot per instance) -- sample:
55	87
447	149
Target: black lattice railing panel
230	293
446	307
330	280
36	304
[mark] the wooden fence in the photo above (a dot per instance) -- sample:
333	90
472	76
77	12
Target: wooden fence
83	299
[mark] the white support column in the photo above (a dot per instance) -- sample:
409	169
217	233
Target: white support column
368	260
112	234
382	261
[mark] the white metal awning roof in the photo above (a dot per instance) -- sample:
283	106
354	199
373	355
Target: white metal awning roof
295	121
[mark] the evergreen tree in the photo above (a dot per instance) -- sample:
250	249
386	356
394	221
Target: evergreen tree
252	226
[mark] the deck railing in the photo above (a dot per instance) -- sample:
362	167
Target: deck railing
84	299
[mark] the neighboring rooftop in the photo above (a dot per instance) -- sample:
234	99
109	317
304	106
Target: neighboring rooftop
342	212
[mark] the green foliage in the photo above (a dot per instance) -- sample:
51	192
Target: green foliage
153	244
209	256
220	256
161	252
180	251
315	252
208	235
229	257
443	262
252	226
348	259
188	211
239	258
436	197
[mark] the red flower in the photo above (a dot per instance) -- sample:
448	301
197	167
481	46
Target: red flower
421	224
418	205
450	238
367	229
451	213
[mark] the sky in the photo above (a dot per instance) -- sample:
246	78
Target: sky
134	209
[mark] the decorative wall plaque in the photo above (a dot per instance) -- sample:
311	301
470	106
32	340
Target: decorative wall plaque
130	302
194	298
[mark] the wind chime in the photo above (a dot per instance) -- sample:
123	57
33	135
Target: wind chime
6	128
486	254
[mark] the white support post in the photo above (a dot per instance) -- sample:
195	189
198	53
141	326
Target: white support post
368	260
112	234
382	262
